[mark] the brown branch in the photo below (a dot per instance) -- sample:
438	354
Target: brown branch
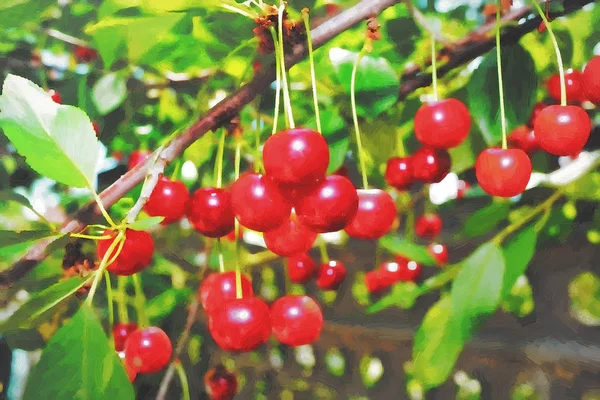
479	42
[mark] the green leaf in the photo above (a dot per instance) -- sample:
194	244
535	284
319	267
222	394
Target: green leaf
161	306
377	84
477	288
28	339
57	141
520	88
437	344
408	249
517	255
9	238
404	33
337	154
16	13
585	188
402	295
584	292
109	92
31	314
11	195
146	223
485	219
78	363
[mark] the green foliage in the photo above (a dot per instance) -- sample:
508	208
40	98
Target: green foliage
517	254
161	306
146	223
584	291
10	238
70	364
403	295
57	141
109	92
485	219
406	248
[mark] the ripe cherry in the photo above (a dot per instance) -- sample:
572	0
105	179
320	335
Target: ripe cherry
408	270
431	165
135	255
428	226
331	275
258	204
591	80
574	88
129	369
217	288
121	332
374	281
439	252
398	172
463	189
442	124
84	54
375	216
535	112
55	96
300	267
210	212
291	237
220	384
522	137
296	320
330	207
169	199
137	157
148	350
297	156
96	128
503	173
562	130
240	324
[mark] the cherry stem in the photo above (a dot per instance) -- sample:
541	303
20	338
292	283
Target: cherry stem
311	61
277	82
286	90
140	301
220	254
561	69
103	264
239	11
185	388
238	274
361	155
400	144
91	237
434	68
121	300
101	207
323	251
500	81
220	153
109	299
176	169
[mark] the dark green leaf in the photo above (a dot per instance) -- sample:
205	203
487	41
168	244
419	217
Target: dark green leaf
163	305
408	249
109	92
57	141
31	314
337	154
377	84
520	88
78	363
9	238
26	339
16	13
146	223
477	289
437	344
11	195
517	255
403	33
485	219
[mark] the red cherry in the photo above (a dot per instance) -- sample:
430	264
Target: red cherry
439	252
431	165
129	369
258	204
331	9
84	54
503	173
428	226
330	207
374	281
442	124
375	216
169	199
300	267
541	27
137	157
573	80
96	128
522	137
121	332
55	96
240	324
210	212
463	188
291	237
220	384
590	80
148	350
535	112
408	270
297	156
562	130
398	172
135	255
217	288
331	275
296	320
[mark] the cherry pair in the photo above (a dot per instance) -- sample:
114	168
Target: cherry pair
301	268
428	226
428	165
388	273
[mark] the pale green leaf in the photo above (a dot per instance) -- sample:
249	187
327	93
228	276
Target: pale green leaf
408	249
146	223
109	92
517	255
